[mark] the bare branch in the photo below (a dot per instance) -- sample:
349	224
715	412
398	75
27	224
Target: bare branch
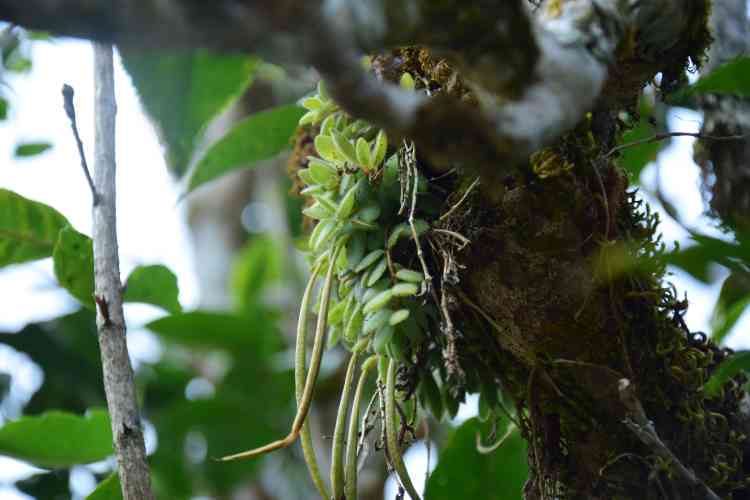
70	110
535	77
644	430
667	135
119	384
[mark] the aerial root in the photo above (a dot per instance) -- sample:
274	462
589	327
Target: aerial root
391	433
305	401
350	466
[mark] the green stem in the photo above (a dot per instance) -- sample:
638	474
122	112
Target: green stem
350	469
337	451
308	450
391	433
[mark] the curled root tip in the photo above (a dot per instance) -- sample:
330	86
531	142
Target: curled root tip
256	452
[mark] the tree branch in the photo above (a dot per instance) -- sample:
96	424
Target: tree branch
119	384
644	430
535	77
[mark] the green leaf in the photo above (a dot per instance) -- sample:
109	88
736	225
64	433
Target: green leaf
155	285
214	330
258	137
32	149
462	472
724	322
698	258
28	229
3	108
731	366
731	78
57	439
109	489
257	266
733	299
183	92
73	258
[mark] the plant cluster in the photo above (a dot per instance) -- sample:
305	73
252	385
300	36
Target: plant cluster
363	203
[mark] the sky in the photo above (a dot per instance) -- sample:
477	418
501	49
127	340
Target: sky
151	222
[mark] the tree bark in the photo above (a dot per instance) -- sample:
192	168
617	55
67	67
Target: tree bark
119	383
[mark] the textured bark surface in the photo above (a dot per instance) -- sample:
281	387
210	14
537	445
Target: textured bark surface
119	384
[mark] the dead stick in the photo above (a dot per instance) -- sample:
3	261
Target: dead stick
119	384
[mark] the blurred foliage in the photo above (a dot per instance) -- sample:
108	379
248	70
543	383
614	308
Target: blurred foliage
74	265
184	92
28	229
732	78
736	363
257	265
32	149
464	472
108	489
155	285
259	137
635	158
49	486
56	439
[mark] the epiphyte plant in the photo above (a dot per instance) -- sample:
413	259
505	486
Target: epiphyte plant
363	246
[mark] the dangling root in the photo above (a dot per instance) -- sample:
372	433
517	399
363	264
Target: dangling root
312	375
337	450
308	450
391	433
350	468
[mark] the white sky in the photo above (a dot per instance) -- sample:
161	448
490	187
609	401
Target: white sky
151	225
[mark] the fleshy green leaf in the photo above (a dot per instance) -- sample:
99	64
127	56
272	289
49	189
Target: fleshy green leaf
734	364
109	489
57	439
463	472
259	137
155	285
732	78
28	229
73	258
183	92
31	149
